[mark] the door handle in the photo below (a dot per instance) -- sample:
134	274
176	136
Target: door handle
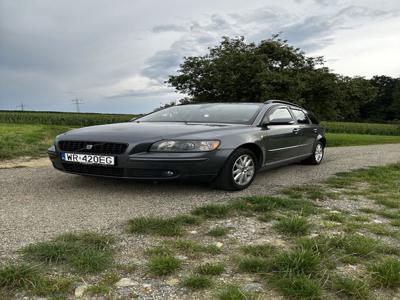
315	130
296	130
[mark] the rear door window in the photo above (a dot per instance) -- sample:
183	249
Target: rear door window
300	116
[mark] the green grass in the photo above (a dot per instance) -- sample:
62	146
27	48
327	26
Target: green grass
294	225
163	265
161	250
345	139
161	226
298	287
296	262
211	269
313	192
253	264
335	217
18	276
197	282
356	245
27	140
233	292
361	128
219	231
261	250
353	288
386	273
23	277
264	204
85	252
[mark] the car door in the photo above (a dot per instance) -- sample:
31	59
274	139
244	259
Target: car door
307	131
281	138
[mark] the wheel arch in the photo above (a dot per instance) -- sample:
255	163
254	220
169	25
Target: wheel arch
257	152
322	139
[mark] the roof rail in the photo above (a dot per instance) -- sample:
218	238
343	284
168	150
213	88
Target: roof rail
281	101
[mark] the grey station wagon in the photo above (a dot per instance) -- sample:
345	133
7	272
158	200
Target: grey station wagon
223	143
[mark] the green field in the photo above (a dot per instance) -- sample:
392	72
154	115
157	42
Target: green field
61	118
30	133
27	139
361	128
345	139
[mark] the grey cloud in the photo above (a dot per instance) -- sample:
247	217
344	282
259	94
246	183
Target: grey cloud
316	32
140	93
168	28
163	63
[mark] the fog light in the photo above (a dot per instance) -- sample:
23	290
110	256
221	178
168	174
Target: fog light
168	173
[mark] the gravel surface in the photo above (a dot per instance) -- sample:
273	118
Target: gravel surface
37	203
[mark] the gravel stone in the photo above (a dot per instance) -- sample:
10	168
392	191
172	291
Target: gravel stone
80	290
125	282
253	287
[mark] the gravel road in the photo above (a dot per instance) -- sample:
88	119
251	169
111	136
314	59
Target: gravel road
37	203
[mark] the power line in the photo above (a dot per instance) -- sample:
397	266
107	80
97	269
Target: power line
21	106
77	103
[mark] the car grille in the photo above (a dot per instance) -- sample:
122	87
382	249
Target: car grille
97	147
94	170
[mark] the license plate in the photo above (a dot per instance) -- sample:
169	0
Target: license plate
88	159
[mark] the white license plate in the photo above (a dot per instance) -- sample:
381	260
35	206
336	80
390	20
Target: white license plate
89	159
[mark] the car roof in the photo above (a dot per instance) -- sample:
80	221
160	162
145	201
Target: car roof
268	102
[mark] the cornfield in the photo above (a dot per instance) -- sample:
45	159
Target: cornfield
362	128
61	118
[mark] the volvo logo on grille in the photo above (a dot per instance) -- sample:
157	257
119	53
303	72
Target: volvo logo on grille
89	147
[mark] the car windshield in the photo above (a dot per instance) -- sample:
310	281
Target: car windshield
206	113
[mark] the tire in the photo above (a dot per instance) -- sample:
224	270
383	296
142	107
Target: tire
318	154
236	164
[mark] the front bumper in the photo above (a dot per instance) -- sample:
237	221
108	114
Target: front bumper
200	166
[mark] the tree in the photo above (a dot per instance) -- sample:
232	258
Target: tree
236	71
394	108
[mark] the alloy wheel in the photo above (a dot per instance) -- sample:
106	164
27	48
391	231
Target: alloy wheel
243	170
319	153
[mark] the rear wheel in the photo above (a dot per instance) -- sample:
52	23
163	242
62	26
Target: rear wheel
238	172
318	154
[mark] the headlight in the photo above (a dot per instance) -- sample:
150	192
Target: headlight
184	146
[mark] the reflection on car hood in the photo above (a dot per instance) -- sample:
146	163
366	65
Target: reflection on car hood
132	132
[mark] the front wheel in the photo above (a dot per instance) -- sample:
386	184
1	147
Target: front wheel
238	172
318	154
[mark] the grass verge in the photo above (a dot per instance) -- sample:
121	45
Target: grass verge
27	140
345	139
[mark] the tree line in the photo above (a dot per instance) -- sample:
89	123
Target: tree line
238	71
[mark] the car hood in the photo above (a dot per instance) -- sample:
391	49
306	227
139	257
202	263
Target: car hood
134	132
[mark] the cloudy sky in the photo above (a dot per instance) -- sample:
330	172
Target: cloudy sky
116	55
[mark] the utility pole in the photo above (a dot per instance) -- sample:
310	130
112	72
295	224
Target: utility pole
77	102
22	106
